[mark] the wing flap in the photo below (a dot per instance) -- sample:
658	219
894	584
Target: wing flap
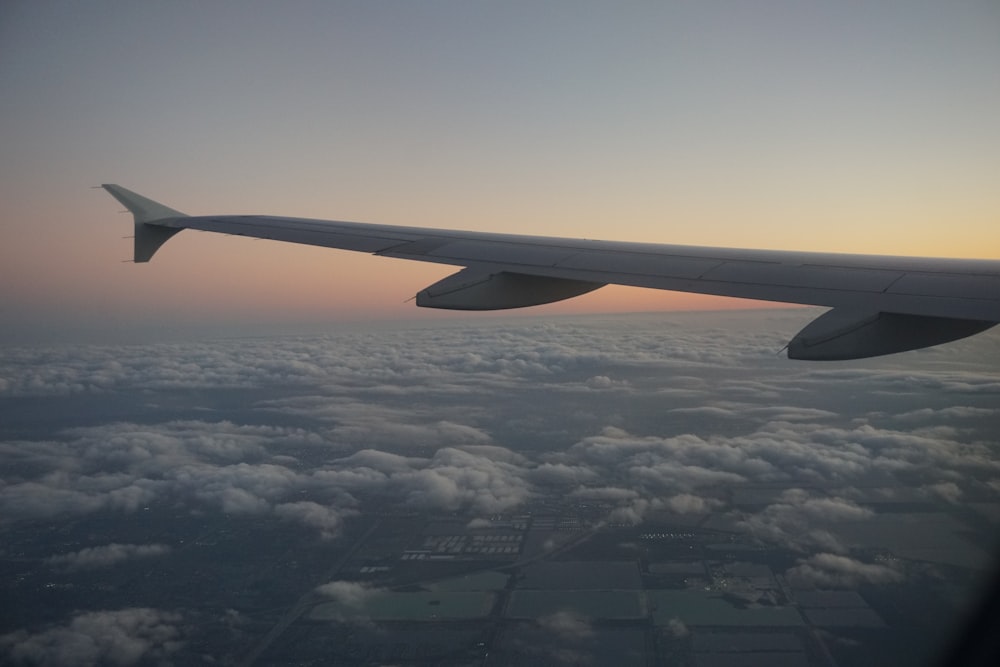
803	276
502	253
945	285
641	263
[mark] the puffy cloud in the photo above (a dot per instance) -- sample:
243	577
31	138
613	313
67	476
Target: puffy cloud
237	501
41	500
666	475
604	493
241	488
788	413
557	474
496	453
122	637
947	490
709	411
826	570
400	362
60	493
684	462
567	625
962	377
634	510
368	424
153	449
676	628
105	555
686	503
456	479
482	480
239	468
122	467
327	520
604	383
951	412
348	593
801	521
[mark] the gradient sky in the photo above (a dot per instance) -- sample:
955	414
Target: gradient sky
850	126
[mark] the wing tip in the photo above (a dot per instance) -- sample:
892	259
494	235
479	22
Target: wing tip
146	213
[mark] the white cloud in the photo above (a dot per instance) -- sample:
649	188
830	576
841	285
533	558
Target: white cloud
604	493
826	570
348	593
455	479
951	412
686	503
122	637
947	490
802	522
105	555
327	520
567	625
676	627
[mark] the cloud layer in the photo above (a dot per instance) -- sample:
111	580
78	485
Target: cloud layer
618	415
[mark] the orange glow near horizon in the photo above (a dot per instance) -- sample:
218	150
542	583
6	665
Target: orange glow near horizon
206	276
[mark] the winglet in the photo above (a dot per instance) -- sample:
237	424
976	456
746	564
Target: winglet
147	215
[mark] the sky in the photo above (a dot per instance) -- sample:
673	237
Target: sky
847	126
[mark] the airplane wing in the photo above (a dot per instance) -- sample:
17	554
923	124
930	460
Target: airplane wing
879	305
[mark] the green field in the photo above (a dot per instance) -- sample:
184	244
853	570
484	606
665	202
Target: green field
421	606
478	581
595	604
704	608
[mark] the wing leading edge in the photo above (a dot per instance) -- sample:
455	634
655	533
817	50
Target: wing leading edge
880	305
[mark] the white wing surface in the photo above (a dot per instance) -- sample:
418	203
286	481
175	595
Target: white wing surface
880	305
